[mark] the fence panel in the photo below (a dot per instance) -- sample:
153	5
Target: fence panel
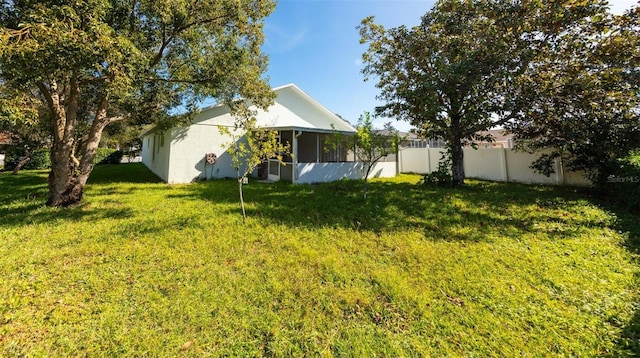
497	164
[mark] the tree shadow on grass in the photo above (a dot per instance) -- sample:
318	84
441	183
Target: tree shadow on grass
24	195
473	213
37	213
469	213
628	222
136	173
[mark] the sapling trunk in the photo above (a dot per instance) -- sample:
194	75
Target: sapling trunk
366	179
244	214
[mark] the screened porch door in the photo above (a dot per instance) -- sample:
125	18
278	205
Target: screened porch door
273	172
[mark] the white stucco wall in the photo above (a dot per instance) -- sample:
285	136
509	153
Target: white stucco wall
155	153
325	172
189	145
294	108
184	162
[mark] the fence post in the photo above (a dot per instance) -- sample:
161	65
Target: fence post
559	169
503	164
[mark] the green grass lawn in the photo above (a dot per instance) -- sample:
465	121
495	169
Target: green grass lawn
142	268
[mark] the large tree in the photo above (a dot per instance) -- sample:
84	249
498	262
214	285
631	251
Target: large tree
97	62
464	69
587	108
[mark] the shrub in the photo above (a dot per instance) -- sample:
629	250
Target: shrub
624	184
440	177
40	159
108	156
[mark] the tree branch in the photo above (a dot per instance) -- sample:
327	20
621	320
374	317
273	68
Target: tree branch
98	79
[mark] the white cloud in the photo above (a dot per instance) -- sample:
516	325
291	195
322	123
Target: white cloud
283	40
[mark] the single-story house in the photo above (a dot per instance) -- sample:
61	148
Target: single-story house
179	155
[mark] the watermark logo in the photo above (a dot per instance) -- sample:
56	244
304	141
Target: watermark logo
617	179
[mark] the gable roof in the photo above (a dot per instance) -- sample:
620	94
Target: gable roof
298	110
293	109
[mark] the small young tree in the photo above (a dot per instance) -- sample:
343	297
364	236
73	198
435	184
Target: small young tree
250	147
370	145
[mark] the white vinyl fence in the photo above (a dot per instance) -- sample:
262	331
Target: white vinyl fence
497	164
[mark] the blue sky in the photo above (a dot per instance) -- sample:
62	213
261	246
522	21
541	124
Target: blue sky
315	44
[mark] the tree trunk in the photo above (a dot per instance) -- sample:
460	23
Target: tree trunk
244	214
64	190
68	176
457	157
71	195
366	178
22	162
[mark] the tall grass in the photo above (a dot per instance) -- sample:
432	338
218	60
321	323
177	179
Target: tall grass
142	268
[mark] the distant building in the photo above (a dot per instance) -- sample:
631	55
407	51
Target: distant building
412	140
501	139
5	139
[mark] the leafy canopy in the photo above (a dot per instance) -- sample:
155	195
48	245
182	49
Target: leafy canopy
587	108
93	63
464	69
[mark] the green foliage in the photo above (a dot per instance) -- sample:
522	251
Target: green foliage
371	145
440	177
588	94
39	159
251	146
25	120
108	156
465	68
624	183
141	268
121	135
94	63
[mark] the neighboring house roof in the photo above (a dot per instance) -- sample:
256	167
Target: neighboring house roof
499	135
293	113
500	138
5	138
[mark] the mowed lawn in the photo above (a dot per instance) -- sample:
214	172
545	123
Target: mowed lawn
142	268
